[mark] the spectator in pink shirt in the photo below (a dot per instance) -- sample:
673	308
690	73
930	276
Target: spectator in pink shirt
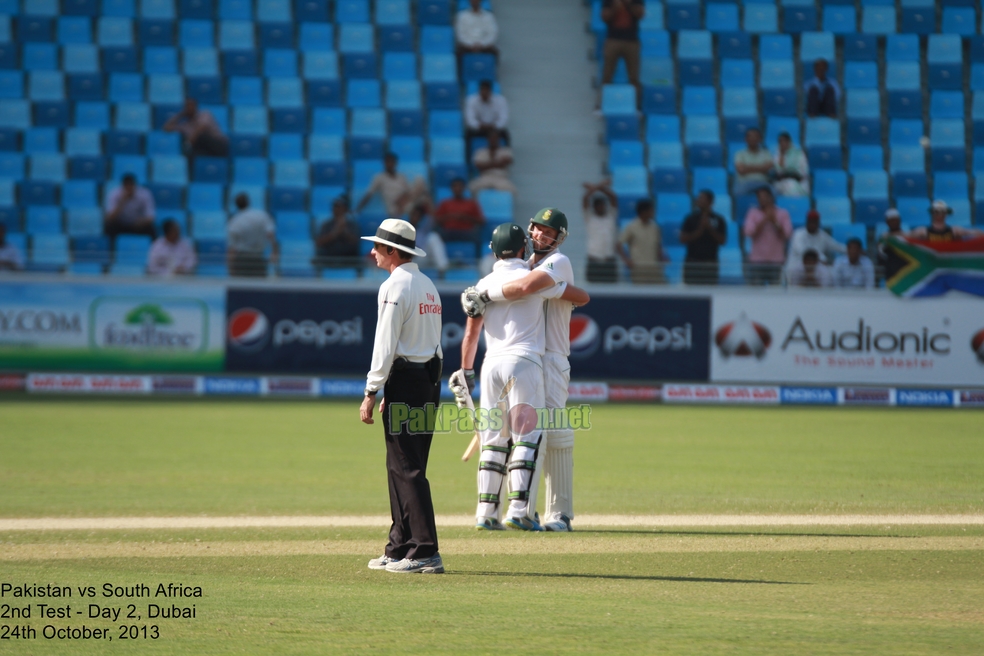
171	254
769	228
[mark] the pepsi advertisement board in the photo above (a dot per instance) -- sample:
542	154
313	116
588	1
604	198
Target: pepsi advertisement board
645	338
315	332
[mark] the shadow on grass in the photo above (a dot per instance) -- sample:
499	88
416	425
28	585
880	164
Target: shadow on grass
741	533
624	577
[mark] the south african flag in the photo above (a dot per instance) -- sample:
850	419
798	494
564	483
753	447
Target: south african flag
936	267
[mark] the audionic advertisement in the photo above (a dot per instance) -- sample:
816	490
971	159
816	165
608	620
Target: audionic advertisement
862	339
93	327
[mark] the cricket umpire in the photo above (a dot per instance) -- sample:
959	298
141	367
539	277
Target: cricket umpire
406	366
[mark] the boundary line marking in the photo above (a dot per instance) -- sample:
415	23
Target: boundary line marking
382	521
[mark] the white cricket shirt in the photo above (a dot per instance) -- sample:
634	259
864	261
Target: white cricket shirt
514	327
558	313
408	323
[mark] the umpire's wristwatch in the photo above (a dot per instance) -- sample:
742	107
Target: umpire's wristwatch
370	392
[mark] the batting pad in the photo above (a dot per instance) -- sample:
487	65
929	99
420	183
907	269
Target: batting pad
558	470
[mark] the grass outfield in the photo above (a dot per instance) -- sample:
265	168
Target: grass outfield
803	590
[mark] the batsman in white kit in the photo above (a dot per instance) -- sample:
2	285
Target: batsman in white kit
512	372
548	230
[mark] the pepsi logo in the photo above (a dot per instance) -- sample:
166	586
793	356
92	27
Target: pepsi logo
743	338
977	344
585	336
248	329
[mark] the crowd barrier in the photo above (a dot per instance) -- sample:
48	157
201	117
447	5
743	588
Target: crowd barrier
721	336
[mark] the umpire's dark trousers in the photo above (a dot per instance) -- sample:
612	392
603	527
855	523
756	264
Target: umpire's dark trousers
414	534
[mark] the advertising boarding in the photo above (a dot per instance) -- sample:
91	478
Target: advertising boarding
847	339
90	327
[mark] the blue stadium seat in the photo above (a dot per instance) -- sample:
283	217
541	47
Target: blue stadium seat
739	102
329	120
866	158
78	7
702	130
278	62
80	59
829	183
250	120
946	133
120	59
438	68
363	93
403	95
822	132
699	101
834	211
132	249
720	17
86	86
761	18
355	38
715	179
910	184
124	142
670	180
779	102
74	29
293	224
411	149
277	35
48	252
168	196
289	119
878	20
775	46
286	146
395	38
285	92
657	71
948	159
113	31
816	45
907	159
683	15
200	62
905	132
960	21
126	87
320	66
406	122
87	224
236	35
951	186
161	60
864	130
840	19
34	29
211	170
245	91
860	75
49	167
41	140
316	37
902	48
43	220
860	47
799	18
665	155
240	63
250	171
165	89
737	73
37	192
399	66
205	196
918	17
476	67
325	148
621	127
40	57
693	44
352	11
870	185
946	104
654	43
663	129
363	65
671	208
944	55
169	169
704	154
291	173
152	32
659	100
272	11
734	45
436	40
207	90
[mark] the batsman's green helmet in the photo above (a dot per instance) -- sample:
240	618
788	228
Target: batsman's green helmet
508	240
551	217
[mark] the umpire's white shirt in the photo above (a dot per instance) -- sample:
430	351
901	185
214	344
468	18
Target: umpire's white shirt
558	313
408	323
514	327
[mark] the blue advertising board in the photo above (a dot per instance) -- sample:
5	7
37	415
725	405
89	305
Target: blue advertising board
645	338
315	332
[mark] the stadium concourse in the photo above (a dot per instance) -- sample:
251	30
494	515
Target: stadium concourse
311	94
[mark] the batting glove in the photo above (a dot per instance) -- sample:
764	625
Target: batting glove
473	302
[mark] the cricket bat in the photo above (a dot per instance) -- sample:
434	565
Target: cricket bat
503	408
464	400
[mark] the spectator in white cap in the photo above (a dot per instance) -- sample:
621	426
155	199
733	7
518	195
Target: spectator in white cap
811	236
938	230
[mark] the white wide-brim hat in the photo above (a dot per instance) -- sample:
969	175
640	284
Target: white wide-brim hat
398	234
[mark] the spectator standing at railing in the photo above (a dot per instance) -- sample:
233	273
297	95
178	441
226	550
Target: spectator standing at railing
622	40
752	164
600	205
809	272
938	230
486	112
493	164
476	30
792	171
854	269
641	246
769	228
338	238
703	232
130	209
813	237
890	261
11	259
171	254
822	93
250	231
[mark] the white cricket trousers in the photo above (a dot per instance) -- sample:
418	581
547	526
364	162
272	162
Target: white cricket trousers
558	460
